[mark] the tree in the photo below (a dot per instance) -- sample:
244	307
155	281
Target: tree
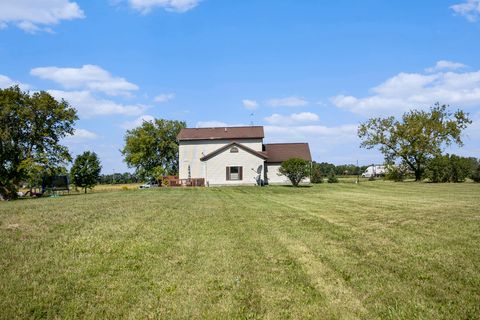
417	137
450	168
325	168
152	148
332	178
295	169
475	176
85	171
31	127
316	176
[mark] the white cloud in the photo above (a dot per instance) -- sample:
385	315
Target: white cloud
211	124
287	102
313	131
179	6
469	9
292	118
35	15
164	97
250	104
89	77
445	65
88	106
81	135
6	82
137	122
413	90
335	144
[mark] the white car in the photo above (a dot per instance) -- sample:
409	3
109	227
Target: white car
148	185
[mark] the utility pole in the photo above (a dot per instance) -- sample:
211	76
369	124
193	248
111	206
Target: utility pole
358	173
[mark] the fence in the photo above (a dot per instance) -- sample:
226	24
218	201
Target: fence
175	182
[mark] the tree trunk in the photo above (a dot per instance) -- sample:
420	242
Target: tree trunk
85	189
418	175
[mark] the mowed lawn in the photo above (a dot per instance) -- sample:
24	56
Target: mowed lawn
377	250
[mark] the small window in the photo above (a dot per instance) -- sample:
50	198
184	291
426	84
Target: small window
234	150
234	173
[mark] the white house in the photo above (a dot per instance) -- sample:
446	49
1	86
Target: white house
234	156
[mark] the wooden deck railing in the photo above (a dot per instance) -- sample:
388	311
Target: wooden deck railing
194	182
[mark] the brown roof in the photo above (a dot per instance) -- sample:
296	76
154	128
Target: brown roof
231	144
279	152
252	132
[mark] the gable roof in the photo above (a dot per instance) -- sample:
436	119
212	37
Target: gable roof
217	133
228	146
279	152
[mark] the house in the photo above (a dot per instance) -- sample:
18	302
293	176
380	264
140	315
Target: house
234	156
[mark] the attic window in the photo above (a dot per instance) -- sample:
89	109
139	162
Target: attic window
234	150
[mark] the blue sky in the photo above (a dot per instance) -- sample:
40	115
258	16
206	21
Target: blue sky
307	70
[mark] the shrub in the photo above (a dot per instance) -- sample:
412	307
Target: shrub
395	173
438	169
450	168
475	176
460	168
316	176
295	169
332	178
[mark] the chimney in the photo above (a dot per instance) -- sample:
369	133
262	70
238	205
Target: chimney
225	129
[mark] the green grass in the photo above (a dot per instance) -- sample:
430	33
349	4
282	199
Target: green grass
341	251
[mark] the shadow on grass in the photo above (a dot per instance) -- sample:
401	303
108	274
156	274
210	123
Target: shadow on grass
300	187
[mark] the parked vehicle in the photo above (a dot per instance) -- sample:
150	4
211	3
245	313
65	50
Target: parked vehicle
374	171
149	185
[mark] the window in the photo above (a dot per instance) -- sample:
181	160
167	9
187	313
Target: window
234	150
234	173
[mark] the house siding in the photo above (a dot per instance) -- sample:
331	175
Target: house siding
275	177
190	153
215	168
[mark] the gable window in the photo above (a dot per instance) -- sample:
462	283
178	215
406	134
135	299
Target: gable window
234	173
234	150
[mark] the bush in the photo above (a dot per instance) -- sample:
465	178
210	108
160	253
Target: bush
475	176
295	169
438	169
395	173
460	168
316	176
332	178
450	168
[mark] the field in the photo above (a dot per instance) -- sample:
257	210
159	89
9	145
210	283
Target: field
376	250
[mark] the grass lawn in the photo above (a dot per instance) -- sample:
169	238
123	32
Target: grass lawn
343	251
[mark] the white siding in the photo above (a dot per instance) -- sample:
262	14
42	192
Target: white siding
190	153
274	176
251	164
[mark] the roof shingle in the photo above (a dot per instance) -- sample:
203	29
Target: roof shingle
218	133
279	152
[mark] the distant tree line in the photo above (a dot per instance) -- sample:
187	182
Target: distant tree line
323	170
119	178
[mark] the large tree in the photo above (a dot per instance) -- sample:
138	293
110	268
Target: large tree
31	128
152	148
417	137
85	171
